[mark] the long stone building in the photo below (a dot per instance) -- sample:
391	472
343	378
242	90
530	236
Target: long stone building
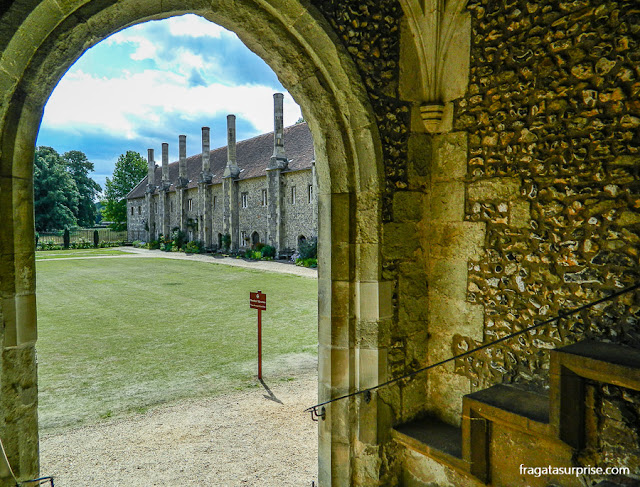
478	173
258	190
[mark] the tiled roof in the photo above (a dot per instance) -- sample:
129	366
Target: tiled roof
252	156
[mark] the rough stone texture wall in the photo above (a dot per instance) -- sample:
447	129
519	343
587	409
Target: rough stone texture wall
612	435
135	222
299	219
216	201
370	30
552	113
254	217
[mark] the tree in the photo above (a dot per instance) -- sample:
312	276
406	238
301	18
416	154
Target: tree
55	194
130	169
79	167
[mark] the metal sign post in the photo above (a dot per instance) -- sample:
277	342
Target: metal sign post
259	301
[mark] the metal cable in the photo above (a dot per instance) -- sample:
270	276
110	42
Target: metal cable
561	314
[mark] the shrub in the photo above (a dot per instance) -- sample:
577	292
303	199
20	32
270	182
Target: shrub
226	242
194	247
307	262
96	238
268	251
66	238
258	246
308	249
179	238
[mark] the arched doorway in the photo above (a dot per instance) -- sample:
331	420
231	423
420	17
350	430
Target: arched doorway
255	238
40	40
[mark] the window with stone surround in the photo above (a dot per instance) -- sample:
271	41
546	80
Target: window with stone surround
172	206
310	193
243	238
264	197
132	211
190	204
293	195
245	200
155	208
139	210
215	201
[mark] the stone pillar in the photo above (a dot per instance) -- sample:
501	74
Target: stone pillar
165	207
230	186
204	192
314	185
181	186
275	167
18	375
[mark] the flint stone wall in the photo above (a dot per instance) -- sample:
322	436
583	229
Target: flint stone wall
553	113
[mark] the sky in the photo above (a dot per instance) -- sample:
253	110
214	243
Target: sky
147	84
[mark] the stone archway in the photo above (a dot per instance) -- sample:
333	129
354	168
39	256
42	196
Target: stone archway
41	39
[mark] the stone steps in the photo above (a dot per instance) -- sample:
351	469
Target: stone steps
530	428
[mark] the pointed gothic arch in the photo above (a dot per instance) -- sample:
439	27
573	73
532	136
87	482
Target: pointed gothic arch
41	39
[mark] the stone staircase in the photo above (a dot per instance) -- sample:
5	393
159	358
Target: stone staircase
504	427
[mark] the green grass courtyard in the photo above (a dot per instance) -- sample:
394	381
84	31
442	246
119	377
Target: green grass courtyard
119	335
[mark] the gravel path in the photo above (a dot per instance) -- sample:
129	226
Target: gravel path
247	438
263	265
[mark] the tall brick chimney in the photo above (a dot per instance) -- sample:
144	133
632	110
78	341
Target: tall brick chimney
182	168
278	159
151	179
165	164
232	168
206	147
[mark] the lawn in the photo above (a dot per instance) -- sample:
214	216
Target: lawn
119	335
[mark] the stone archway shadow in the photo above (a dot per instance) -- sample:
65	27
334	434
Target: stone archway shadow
40	42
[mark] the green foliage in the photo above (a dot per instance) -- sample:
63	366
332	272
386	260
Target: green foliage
179	238
194	247
79	167
226	242
63	191
55	194
96	238
130	169
253	254
66	238
268	251
258	246
308	249
307	262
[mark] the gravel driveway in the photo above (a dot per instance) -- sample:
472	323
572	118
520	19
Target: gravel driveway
247	438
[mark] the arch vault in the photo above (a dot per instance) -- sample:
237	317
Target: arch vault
39	40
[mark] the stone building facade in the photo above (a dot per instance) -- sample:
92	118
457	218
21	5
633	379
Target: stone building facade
231	190
478	172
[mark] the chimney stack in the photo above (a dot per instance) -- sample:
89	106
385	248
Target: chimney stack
206	164
182	148
232	168
165	164
279	159
151	180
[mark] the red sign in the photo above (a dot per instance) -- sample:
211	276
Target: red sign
258	300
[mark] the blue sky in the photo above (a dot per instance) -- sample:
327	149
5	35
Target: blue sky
154	81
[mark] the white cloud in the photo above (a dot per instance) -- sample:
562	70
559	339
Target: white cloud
154	100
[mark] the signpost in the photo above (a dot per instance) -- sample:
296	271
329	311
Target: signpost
259	301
